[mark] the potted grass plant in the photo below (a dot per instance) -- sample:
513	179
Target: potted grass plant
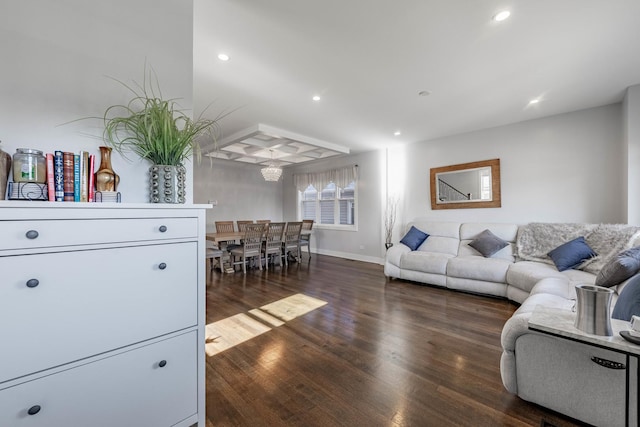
160	131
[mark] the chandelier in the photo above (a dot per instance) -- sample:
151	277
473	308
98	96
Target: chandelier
271	172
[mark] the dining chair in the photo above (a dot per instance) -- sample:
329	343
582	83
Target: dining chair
273	242
263	221
242	224
305	239
226	227
251	246
291	241
214	253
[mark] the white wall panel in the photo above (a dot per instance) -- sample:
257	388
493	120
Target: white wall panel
239	190
567	167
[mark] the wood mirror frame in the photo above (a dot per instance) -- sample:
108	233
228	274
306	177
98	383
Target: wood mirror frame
495	201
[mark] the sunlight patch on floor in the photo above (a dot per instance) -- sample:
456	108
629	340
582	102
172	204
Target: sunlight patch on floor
229	332
294	306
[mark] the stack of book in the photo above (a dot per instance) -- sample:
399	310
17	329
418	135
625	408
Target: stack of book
70	176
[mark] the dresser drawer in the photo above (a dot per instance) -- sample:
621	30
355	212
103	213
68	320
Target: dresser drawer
60	307
49	233
128	389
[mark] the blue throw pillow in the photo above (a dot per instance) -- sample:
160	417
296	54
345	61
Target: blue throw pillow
414	238
628	303
571	254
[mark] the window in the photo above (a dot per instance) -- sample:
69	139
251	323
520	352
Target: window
485	184
332	206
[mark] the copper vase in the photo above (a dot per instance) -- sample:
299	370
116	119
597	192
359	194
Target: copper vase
106	178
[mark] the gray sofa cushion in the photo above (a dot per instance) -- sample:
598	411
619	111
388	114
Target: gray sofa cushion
620	268
440	245
426	262
525	274
487	243
479	268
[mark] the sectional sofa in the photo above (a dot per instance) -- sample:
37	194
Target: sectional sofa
522	272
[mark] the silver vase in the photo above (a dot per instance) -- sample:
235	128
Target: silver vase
593	305
167	183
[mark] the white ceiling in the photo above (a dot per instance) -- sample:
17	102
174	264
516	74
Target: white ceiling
266	145
369	59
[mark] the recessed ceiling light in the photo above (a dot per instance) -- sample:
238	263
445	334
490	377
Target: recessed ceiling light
223	57
534	101
316	98
397	133
501	16
424	93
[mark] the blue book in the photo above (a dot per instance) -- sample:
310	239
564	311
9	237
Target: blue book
76	177
58	176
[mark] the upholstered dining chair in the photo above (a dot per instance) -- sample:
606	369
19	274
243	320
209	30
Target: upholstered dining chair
305	239
214	253
273	242
291	241
251	246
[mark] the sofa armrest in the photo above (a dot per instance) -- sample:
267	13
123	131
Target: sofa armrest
395	252
513	328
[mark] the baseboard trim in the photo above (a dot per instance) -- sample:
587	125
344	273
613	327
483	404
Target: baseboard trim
348	255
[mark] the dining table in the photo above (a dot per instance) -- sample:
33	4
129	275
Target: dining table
236	235
224	237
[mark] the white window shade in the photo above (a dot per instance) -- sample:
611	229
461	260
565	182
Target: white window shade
340	177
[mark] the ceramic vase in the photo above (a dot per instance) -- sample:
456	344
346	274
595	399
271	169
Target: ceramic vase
5	167
167	184
106	178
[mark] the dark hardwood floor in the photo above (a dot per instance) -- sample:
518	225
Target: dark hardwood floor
380	353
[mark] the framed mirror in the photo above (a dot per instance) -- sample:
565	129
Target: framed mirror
467	185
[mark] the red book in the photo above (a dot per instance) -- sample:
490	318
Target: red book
50	180
92	189
68	176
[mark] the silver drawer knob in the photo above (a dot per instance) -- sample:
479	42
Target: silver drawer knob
32	283
32	234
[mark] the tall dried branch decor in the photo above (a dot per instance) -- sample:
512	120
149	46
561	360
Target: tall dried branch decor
390	218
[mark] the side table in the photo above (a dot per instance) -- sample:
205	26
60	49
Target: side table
617	355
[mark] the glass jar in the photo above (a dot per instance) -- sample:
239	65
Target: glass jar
29	166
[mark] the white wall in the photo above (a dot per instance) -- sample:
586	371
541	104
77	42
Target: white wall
240	192
55	59
367	243
564	168
631	114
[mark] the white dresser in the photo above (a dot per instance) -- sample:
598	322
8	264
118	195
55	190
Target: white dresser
102	313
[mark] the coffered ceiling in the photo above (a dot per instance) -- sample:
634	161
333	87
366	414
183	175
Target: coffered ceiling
396	72
265	145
